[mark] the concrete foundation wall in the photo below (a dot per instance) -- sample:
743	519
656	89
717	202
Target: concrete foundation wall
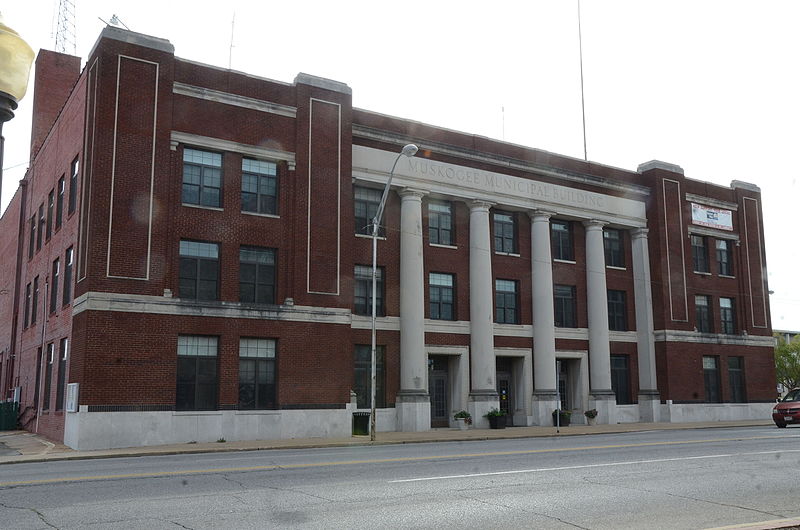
716	412
109	430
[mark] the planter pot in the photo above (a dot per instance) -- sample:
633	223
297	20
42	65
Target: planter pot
564	420
497	422
462	424
591	421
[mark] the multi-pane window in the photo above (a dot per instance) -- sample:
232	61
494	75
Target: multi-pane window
35	302
702	312
62	373
505	232
60	203
617	310
51	197
54	279
699	254
199	270
736	379
711	379
73	186
259	186
442	306
620	379
48	376
725	257
26	317
196	387
612	243
257	381
366	201
362	295
727	316
362	385
32	237
561	238
505	302
67	298
565	310
202	178
257	275
440	223
40	234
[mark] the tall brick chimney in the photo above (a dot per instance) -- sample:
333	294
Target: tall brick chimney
56	75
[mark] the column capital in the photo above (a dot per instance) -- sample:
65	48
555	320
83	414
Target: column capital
413	193
639	233
479	204
594	224
540	215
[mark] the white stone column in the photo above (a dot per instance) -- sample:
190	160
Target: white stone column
602	396
413	402
649	397
483	393
544	333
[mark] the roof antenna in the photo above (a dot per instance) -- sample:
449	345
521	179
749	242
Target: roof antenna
116	21
230	50
583	105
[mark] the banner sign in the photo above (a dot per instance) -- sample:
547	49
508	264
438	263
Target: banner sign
712	217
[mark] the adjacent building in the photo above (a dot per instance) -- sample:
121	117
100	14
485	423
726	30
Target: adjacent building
189	258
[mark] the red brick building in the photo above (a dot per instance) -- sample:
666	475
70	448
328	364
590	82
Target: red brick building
189	258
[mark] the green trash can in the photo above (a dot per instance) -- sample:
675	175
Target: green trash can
360	423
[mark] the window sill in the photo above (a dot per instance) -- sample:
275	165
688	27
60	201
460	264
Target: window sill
437	245
197	413
201	207
571	262
367	236
512	254
727	276
257	214
702	273
257	412
612	267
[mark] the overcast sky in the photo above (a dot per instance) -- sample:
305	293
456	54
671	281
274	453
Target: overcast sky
710	85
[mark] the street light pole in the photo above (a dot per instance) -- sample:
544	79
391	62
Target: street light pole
409	151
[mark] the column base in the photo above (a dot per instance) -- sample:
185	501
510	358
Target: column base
649	406
413	409
605	401
544	403
481	402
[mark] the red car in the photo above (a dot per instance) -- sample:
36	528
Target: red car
787	410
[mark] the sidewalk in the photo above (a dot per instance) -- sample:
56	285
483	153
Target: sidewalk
34	448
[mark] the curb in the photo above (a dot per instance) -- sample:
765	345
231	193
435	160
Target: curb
356	442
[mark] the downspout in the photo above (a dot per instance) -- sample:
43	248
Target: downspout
9	383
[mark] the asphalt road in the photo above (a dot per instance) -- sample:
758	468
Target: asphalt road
660	479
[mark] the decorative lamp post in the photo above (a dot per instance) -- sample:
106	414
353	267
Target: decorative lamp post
409	151
15	67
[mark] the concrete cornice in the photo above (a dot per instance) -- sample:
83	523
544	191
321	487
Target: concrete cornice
694	337
370	133
708	201
227	98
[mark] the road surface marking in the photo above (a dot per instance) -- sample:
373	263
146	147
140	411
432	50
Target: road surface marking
156	474
589	466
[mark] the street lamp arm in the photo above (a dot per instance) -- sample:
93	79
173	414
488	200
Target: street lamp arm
409	151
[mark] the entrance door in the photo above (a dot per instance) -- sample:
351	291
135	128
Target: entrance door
439	391
503	366
563	385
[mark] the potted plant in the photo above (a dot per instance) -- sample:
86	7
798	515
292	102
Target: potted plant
463	418
561	417
591	416
497	418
